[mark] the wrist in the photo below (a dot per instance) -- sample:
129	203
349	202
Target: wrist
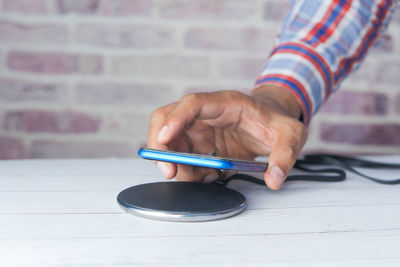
279	96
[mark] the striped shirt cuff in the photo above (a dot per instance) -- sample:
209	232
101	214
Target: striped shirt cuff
300	69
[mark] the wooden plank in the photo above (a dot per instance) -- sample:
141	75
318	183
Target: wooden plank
258	198
329	249
106	174
250	222
73	167
75	175
101	182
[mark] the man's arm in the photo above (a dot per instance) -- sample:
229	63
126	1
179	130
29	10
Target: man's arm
320	43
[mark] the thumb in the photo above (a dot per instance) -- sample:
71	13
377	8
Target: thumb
286	147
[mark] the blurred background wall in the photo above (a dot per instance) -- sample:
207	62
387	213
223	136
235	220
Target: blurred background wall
79	78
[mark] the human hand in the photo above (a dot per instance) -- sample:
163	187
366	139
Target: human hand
233	125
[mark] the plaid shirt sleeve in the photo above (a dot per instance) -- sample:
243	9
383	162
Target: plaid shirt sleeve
320	43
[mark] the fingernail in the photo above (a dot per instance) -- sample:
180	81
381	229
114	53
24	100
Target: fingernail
162	133
277	175
163	168
210	178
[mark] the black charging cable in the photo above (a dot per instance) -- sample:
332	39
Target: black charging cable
333	174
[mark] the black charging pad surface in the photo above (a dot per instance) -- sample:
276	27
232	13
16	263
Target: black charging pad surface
182	201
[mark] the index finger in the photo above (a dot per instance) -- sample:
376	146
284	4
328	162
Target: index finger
157	120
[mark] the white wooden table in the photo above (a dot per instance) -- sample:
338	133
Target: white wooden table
64	212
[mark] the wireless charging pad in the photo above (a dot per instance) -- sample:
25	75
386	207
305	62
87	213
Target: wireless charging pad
182	201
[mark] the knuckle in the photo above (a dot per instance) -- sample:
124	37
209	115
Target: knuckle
289	151
158	114
231	93
296	125
235	96
300	130
190	98
297	129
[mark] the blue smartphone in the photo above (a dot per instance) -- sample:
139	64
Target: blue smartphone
202	160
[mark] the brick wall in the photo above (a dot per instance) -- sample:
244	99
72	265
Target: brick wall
79	78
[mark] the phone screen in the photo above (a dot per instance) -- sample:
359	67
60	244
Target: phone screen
202	160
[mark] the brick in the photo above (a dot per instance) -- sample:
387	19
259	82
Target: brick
78	7
240	68
162	66
70	149
25	91
133	125
36	121
105	7
25	6
208	9
247	39
365	74
388	72
53	62
128	95
124	7
12	32
397	104
276	10
385	134
137	36
11	148
345	102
